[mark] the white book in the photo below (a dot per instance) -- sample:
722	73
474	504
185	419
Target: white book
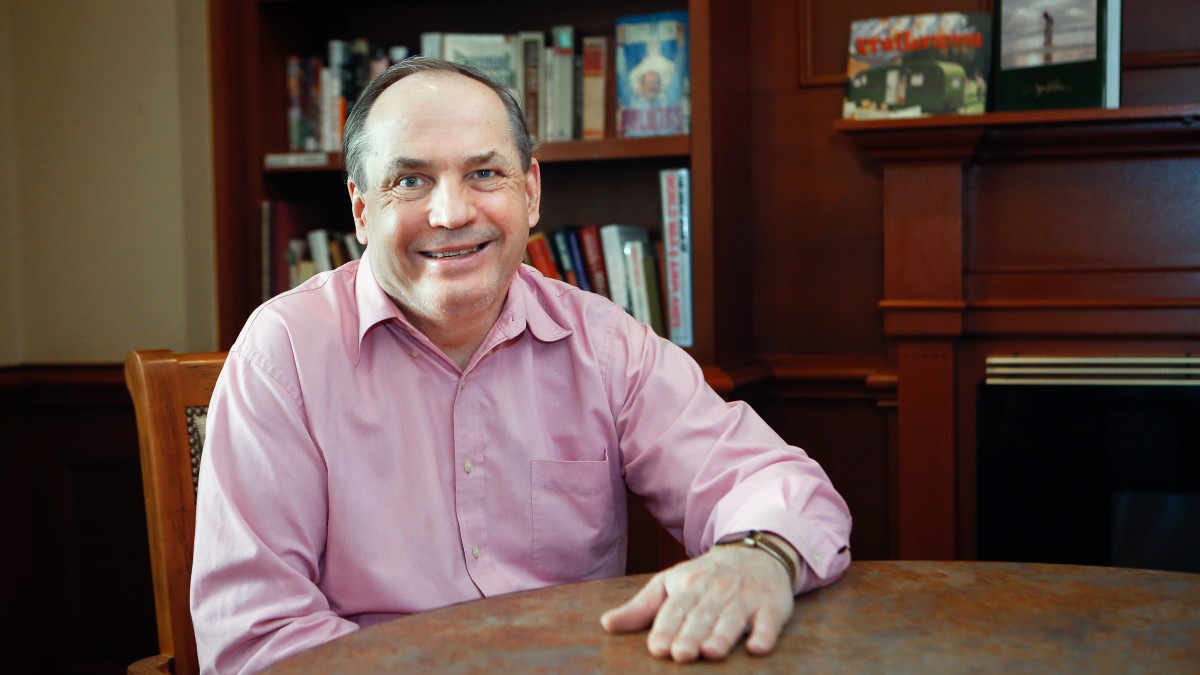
677	245
560	75
318	246
635	269
612	240
496	54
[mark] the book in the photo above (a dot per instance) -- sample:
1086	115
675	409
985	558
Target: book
286	225
643	283
496	54
595	81
613	238
918	65
593	259
533	68
1058	54
560	84
575	252
676	259
562	254
653	75
538	247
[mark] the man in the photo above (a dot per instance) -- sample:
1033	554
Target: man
439	423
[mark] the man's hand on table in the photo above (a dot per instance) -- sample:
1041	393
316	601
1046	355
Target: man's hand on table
702	607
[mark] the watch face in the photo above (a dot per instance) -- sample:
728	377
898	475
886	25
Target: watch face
737	536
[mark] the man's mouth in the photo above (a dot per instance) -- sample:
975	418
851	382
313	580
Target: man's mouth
454	254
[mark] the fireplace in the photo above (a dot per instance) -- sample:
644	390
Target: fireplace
1090	460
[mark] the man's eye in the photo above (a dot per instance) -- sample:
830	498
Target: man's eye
484	174
409	182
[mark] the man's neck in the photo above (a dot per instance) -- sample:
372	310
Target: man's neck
457	335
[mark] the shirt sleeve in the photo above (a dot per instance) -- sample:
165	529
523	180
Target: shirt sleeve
260	526
707	468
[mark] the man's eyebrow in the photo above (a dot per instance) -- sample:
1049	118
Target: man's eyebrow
484	158
403	163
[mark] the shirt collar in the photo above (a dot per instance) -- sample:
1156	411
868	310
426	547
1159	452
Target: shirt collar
521	309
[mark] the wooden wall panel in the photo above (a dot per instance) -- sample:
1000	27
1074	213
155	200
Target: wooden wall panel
849	437
1099	249
76	568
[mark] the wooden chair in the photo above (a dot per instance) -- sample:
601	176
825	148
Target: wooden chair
170	396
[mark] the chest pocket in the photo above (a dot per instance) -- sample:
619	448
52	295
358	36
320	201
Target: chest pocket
574	529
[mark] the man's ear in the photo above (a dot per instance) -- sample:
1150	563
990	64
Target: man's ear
358	206
533	192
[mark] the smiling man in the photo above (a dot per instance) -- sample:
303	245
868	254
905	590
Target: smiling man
439	423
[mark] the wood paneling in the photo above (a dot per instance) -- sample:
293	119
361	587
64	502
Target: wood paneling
74	579
1075	235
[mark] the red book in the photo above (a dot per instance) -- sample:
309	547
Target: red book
539	252
593	258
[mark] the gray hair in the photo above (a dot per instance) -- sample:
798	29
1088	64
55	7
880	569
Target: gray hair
354	138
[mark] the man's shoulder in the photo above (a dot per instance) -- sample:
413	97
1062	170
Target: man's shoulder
569	306
316	310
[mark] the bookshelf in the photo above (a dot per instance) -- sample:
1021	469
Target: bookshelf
610	180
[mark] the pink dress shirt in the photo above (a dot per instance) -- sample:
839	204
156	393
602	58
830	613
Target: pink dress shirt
352	473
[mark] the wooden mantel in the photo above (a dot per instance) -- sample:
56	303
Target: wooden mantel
963	198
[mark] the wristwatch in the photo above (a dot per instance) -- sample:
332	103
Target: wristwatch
758	539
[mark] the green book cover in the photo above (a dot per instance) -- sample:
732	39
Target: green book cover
1058	54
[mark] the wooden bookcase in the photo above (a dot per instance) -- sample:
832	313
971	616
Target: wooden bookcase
612	180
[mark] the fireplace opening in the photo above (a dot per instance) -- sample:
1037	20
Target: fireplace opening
1090	461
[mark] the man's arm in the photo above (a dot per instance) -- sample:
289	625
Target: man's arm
707	468
260	527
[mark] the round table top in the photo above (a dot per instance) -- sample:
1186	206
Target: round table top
890	617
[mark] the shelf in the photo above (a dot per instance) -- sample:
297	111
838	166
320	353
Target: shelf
568	151
1188	114
1085	132
615	148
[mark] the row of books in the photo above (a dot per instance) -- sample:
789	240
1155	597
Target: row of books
322	90
297	243
650	279
635	82
1029	55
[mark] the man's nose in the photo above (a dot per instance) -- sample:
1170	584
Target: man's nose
450	205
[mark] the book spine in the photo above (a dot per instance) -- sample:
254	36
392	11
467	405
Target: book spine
295	103
614	264
539	252
533	47
268	269
561	64
593	258
677	255
562	250
595	78
576	255
318	247
635	265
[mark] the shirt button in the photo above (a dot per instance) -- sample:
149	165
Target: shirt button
462	385
415	353
469	466
475	551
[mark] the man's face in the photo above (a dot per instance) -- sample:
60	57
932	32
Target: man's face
651	85
447	209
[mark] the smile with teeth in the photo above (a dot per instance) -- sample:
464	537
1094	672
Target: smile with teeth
454	254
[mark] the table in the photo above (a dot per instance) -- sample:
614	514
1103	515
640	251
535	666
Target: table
919	617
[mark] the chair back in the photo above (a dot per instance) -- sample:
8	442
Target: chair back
170	397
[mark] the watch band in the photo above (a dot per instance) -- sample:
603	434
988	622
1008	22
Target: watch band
757	539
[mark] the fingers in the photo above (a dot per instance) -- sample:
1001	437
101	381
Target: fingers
638	611
703	608
767	625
